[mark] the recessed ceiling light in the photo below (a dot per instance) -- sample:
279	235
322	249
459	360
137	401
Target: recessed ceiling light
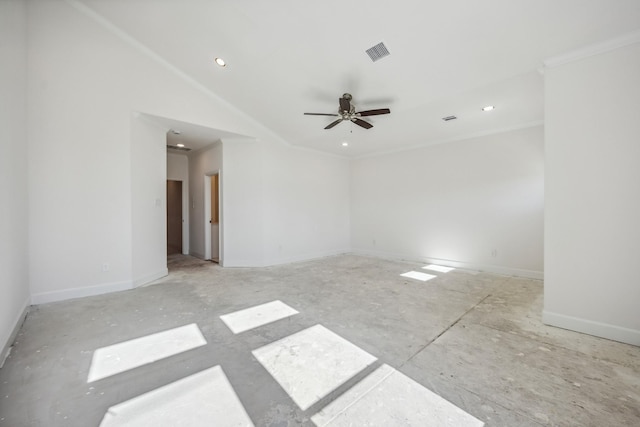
221	62
180	145
488	108
345	144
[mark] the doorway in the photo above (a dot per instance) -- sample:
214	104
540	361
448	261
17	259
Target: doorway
174	217
212	216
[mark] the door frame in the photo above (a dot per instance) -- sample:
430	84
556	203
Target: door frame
207	216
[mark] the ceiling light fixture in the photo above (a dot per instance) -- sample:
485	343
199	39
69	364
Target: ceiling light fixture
220	62
345	144
488	108
180	145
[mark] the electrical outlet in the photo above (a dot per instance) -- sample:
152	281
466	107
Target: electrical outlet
494	253
105	266
373	242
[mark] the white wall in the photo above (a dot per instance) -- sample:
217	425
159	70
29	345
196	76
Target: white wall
306	205
455	203
278	204
201	163
177	167
592	240
85	80
14	288
148	200
242	203
178	170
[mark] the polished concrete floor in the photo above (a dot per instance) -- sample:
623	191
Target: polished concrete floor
473	340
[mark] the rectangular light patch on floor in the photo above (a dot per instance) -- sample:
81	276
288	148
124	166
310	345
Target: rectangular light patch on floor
419	276
387	396
312	363
439	268
121	357
205	398
259	315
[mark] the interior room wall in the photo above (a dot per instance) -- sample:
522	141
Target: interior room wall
592	236
148	200
241	212
178	170
14	286
86	77
306	205
203	162
475	203
279	204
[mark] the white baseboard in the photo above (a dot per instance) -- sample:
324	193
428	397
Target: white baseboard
197	255
304	257
65	294
497	269
241	263
8	341
147	278
598	329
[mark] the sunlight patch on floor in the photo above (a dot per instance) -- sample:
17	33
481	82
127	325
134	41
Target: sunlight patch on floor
312	363
121	357
419	276
205	398
259	315
387	397
439	268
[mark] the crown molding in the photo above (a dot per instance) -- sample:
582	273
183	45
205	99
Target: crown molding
593	49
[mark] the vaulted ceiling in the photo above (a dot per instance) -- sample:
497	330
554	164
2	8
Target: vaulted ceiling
287	57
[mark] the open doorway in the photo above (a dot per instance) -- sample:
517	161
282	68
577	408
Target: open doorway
174	217
212	217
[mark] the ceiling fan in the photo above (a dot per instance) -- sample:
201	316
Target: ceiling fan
348	112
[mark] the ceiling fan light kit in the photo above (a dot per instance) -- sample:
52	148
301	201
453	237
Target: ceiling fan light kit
347	112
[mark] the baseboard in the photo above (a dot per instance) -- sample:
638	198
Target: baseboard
66	294
241	263
150	277
17	324
598	329
305	257
197	255
496	269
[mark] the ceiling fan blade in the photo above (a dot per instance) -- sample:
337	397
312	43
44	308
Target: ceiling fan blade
362	123
332	124
345	105
374	112
320	114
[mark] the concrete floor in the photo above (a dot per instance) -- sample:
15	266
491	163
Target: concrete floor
475	339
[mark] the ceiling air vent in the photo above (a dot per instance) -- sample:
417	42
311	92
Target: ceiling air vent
173	147
446	119
377	52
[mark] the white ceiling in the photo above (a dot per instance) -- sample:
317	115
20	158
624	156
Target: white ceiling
287	57
193	136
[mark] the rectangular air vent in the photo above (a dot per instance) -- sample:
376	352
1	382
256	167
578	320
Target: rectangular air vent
173	147
446	119
377	52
